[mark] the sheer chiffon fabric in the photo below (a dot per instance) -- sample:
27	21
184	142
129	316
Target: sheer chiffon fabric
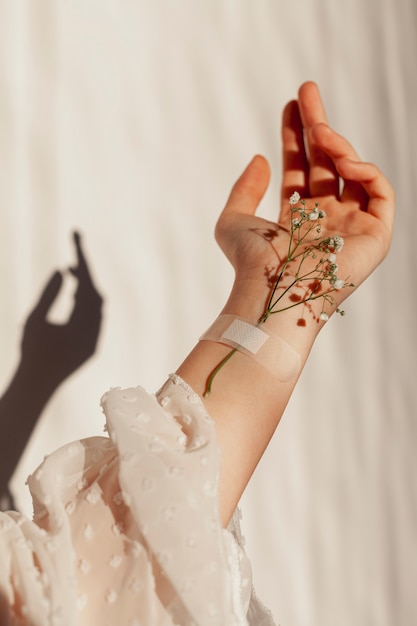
126	529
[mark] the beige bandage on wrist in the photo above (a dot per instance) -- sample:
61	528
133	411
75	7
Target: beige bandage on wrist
254	340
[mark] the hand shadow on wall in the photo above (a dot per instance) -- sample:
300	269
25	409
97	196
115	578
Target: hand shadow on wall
50	353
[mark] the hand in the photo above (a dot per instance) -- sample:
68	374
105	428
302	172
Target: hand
50	353
315	160
54	351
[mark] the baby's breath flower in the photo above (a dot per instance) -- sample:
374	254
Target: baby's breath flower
324	316
314	215
338	243
337	283
295	198
322	213
331	258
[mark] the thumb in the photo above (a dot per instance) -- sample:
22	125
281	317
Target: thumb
249	189
47	298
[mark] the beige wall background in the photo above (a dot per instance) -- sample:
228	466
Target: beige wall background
129	120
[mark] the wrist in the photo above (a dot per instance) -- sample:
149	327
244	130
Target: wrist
295	322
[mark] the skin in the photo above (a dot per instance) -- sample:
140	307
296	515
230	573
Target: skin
246	401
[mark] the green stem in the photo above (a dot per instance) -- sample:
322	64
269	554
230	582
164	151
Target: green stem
294	282
216	370
291	256
309	299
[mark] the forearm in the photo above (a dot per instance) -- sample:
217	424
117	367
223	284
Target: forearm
246	400
20	407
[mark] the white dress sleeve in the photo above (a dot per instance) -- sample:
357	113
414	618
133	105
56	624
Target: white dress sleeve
126	529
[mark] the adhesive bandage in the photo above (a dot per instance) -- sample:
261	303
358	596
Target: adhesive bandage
268	349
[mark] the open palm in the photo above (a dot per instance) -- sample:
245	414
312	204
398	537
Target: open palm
323	168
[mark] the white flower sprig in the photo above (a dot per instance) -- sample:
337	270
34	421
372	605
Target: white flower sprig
319	282
292	283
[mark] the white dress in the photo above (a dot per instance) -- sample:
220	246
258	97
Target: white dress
126	529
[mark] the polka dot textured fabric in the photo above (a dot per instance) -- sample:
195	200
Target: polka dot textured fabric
126	529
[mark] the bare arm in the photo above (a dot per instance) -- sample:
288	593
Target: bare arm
246	400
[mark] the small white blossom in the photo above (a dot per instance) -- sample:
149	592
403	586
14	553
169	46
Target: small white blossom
338	283
338	243
295	198
314	215
324	316
322	213
331	258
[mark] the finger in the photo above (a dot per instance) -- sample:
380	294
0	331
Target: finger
333	144
323	178
249	189
381	196
337	147
47	297
294	157
312	110
81	266
81	270
365	183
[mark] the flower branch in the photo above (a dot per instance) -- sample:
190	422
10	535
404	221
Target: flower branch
305	243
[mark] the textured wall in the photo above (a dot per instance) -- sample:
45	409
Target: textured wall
129	121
